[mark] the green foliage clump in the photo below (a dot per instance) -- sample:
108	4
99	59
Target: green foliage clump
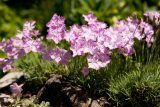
28	103
138	88
37	69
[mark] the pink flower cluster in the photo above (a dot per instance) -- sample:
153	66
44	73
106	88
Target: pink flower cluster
124	32
97	41
24	42
94	40
153	16
28	41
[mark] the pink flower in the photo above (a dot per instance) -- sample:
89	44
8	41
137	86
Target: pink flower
46	54
73	33
61	56
29	25
85	71
16	89
153	16
147	31
56	31
98	60
90	18
6	64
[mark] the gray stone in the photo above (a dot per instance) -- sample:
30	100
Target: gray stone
10	78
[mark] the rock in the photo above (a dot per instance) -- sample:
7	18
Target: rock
103	102
61	93
3	96
10	78
5	100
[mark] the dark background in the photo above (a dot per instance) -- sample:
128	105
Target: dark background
13	13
